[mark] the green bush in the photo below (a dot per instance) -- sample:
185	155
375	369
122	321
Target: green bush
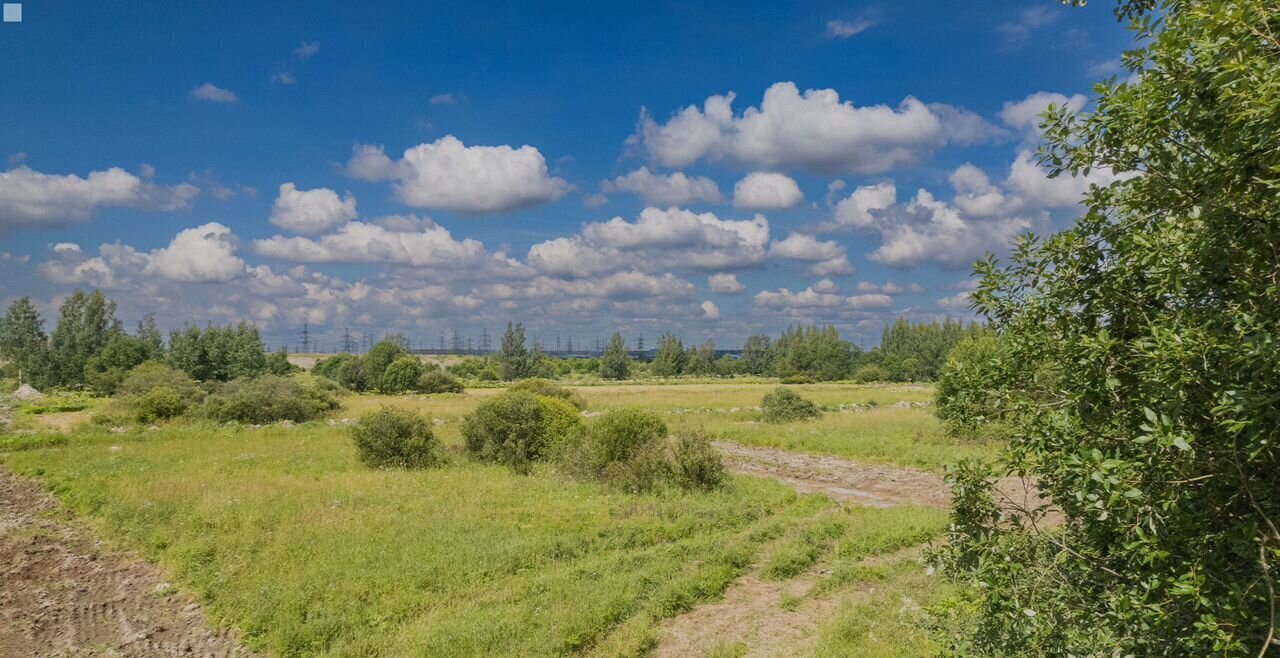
401	375
159	403
269	399
696	465
395	438
439	381
548	388
797	379
561	423
619	434
331	366
151	392
871	373
624	448
784	405
508	429
152	374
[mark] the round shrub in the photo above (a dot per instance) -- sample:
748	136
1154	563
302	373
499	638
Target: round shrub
150	392
268	399
548	388
439	381
619	434
395	438
507	429
871	373
401	375
784	405
153	374
561	423
696	464
159	403
625	448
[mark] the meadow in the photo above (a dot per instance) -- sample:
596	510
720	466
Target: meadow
282	533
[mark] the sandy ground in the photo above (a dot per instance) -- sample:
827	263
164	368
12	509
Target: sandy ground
62	593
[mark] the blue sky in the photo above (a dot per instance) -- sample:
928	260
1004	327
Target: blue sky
571	165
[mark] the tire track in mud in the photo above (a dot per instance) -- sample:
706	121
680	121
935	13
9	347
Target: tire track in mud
62	593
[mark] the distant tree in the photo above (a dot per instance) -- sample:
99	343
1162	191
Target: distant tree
757	356
152	340
278	363
916	351
813	351
86	322
187	353
670	357
379	358
352	374
246	354
218	353
105	370
401	376
615	364
701	360
23	343
516	360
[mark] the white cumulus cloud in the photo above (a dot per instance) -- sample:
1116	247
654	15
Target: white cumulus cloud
32	198
400	241
450	175
725	283
665	189
203	254
311	211
767	191
813	130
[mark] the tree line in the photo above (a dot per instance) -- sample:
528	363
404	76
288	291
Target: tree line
90	349
909	351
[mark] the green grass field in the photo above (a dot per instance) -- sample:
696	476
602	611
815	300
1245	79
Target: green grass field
282	533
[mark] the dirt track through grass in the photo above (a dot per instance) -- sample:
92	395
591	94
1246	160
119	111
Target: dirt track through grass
840	479
63	594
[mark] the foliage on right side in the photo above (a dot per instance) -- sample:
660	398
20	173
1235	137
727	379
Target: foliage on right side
1138	366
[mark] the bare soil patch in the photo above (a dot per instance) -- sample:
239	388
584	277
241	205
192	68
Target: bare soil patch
752	615
63	593
842	480
875	486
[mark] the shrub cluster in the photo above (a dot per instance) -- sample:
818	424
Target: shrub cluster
269	399
629	449
387	368
152	392
548	388
438	381
395	438
518	428
784	405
